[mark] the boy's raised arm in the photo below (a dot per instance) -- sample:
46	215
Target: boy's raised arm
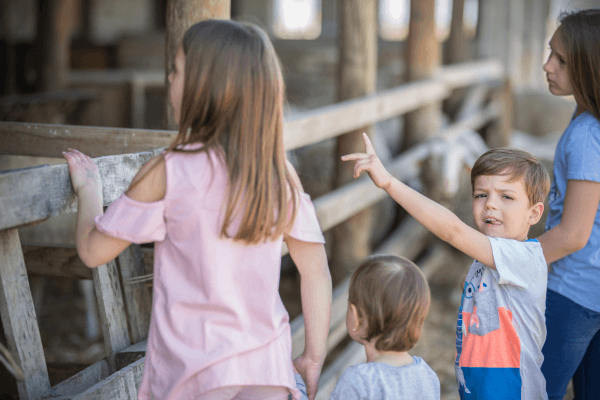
435	217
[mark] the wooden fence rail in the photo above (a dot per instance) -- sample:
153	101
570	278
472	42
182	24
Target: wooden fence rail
34	194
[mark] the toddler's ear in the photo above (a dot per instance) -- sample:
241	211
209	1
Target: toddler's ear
536	213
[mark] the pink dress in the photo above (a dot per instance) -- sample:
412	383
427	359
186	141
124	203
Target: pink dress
217	317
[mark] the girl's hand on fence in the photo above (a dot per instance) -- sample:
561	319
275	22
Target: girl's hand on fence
370	162
84	173
311	372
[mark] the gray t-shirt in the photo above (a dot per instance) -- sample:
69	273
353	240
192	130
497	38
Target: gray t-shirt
379	381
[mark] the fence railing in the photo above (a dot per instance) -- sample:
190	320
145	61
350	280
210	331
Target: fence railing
32	195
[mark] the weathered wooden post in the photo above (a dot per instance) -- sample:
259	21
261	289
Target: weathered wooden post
356	78
422	59
455	49
500	36
55	21
181	14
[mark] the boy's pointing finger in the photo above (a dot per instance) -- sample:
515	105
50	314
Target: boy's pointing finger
368	145
354	156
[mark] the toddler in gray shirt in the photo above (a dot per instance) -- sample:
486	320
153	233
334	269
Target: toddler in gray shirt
388	300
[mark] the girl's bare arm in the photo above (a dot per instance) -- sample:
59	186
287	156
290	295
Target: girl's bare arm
573	232
94	247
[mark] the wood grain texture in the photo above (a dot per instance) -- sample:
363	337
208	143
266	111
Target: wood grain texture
19	319
137	298
60	262
111	310
82	380
36	194
122	385
306	128
24	138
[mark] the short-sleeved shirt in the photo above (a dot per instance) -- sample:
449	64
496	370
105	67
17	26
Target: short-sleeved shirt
378	381
577	276
501	326
217	317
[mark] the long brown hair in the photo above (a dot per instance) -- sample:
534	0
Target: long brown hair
233	97
580	33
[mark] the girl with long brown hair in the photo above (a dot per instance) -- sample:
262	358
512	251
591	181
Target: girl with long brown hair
218	203
572	238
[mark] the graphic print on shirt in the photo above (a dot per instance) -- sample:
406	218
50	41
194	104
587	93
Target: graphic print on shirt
488	348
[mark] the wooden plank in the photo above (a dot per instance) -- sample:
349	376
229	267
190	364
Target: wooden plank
19	319
82	380
119	76
24	138
333	120
122	385
60	262
131	354
111	310
304	129
455	76
137	297
36	194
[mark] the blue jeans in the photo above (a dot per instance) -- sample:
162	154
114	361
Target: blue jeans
572	348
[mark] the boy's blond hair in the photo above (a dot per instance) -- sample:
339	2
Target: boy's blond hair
516	164
392	295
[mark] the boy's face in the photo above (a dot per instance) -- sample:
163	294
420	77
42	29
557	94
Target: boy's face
501	208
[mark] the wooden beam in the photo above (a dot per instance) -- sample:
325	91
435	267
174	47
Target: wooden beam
122	385
306	128
111	310
46	140
82	380
35	194
422	60
137	298
19	320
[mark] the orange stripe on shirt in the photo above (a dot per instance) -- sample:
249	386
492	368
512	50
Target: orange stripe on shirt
498	349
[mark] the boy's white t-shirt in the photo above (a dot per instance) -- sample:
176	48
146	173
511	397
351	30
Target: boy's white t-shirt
501	324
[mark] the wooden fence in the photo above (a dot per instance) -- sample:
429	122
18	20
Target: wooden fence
31	195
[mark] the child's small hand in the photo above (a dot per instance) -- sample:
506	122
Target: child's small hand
370	162
83	171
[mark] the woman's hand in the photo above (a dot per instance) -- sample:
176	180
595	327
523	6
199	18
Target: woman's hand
84	173
311	372
370	162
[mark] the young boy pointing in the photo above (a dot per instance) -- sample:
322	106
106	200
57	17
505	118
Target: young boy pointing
501	326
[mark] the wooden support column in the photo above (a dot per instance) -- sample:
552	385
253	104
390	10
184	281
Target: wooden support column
137	297
422	60
357	78
181	14
55	21
535	40
19	320
455	46
455	51
500	36
111	310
